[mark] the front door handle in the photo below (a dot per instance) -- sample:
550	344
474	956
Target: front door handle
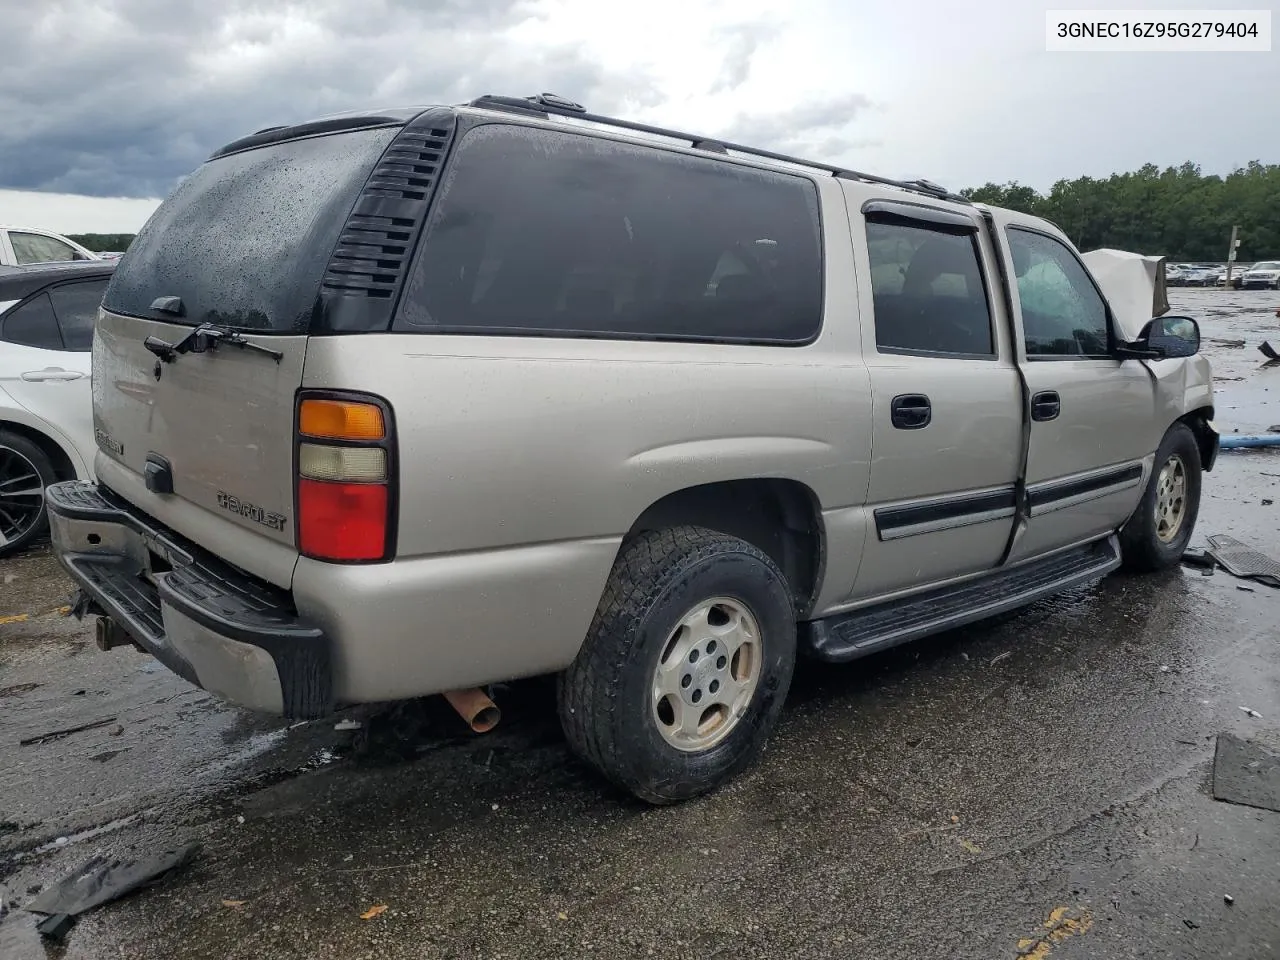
51	373
1046	405
910	411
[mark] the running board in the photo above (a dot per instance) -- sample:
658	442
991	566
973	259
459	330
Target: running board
847	636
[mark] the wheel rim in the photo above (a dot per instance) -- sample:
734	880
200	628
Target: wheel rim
1171	499
21	495
707	674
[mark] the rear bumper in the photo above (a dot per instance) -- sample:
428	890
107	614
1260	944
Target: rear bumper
217	627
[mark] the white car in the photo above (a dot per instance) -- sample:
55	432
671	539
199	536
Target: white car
47	315
1262	275
22	246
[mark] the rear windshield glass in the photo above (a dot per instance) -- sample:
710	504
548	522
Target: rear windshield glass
539	232
244	240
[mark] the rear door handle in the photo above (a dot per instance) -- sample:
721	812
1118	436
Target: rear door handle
51	373
910	411
1046	405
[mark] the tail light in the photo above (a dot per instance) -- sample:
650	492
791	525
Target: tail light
345	464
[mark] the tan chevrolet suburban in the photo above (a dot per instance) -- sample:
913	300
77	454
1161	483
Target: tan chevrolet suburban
416	401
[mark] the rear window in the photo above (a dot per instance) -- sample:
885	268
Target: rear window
559	234
245	240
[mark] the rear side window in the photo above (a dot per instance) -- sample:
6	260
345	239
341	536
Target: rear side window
76	305
928	290
245	240
540	232
32	325
35	248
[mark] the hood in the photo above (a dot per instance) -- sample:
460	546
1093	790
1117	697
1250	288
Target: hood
1134	285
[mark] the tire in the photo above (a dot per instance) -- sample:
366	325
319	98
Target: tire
23	465
1146	544
608	700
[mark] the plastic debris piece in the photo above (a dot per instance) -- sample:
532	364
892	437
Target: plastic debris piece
1251	712
100	881
234	904
1228	899
372	912
348	725
59	734
55	927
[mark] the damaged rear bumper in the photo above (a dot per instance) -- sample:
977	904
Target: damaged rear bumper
217	627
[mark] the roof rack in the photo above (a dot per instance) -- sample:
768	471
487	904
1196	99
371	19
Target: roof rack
547	104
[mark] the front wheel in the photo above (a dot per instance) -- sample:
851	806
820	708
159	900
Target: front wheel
1157	534
686	665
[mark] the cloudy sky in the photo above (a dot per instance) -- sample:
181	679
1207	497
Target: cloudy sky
105	103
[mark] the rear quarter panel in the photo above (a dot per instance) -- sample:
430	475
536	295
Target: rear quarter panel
520	453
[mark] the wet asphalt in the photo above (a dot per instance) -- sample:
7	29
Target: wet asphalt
1037	786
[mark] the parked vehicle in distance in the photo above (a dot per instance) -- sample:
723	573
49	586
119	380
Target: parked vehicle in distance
1194	275
427	399
1262	275
1173	274
46	407
23	246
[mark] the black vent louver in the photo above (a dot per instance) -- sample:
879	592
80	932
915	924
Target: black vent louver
368	266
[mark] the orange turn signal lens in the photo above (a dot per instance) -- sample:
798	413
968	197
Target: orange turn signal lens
341	420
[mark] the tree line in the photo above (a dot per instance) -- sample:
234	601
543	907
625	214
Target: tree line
1177	212
103	242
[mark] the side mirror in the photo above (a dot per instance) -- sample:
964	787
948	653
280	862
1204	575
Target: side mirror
1164	338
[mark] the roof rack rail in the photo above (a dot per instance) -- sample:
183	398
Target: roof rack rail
548	104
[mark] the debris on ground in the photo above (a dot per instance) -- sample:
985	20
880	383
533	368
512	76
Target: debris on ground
1228	899
1241	560
100	881
372	912
348	725
1245	773
1268	351
59	734
1226	343
1252	712
1199	558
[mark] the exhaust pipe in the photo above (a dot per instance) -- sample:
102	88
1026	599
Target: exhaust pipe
480	713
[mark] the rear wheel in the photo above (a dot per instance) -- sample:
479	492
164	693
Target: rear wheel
24	473
686	666
1157	534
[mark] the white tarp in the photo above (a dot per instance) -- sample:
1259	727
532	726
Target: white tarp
1133	284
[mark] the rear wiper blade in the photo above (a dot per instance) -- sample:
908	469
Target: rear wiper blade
203	339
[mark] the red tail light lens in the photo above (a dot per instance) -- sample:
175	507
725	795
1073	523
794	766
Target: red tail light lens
344	461
342	521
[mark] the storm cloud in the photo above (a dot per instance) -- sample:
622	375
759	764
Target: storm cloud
124	98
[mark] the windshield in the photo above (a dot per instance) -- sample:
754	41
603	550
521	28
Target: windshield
245	240
1268	265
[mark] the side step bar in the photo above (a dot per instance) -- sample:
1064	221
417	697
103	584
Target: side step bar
847	636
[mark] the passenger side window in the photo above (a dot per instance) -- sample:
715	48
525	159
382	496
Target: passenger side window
1062	312
540	232
32	325
34	248
929	295
76	305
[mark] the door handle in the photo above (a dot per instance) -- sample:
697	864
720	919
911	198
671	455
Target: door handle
910	411
51	373
1046	405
